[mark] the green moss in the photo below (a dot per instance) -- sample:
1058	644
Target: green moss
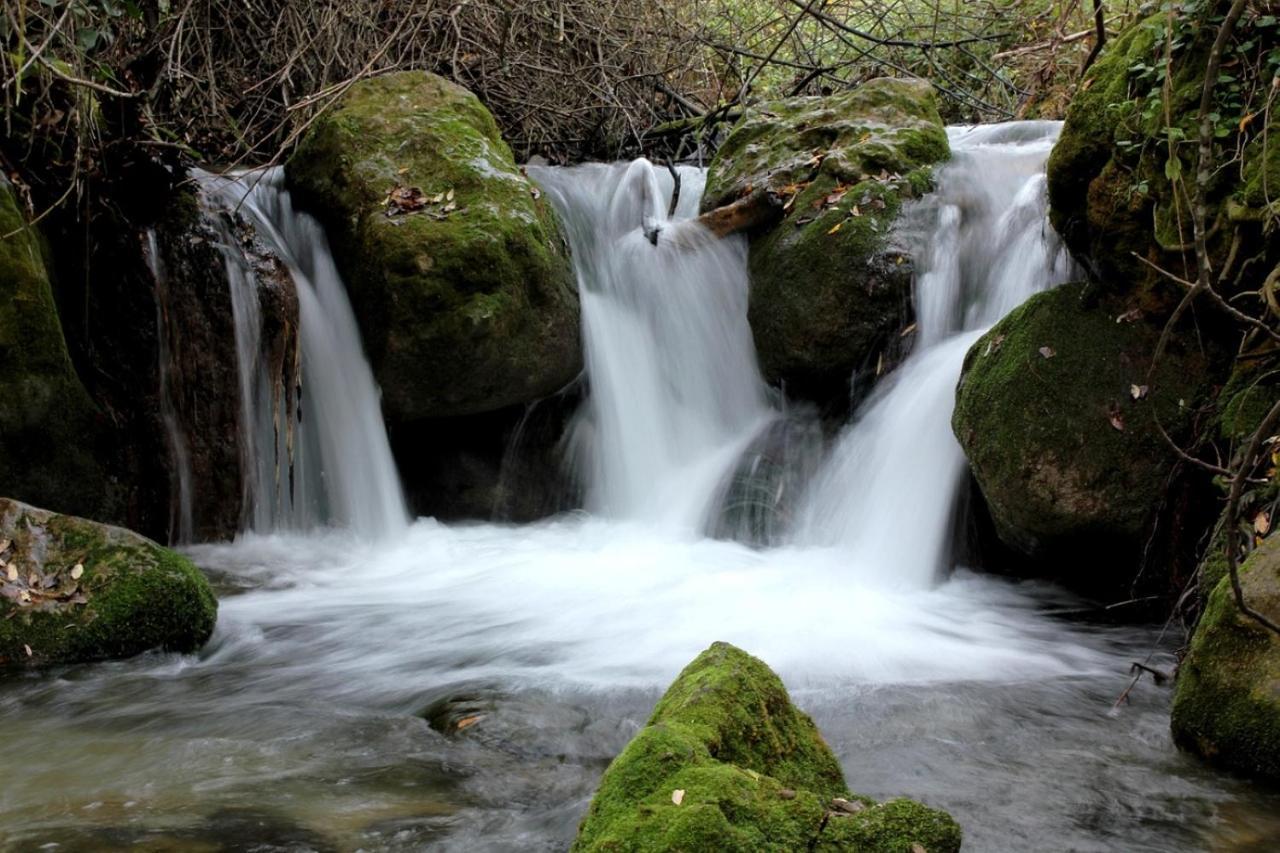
754	774
137	595
1226	705
462	312
48	424
1069	459
824	301
1250	392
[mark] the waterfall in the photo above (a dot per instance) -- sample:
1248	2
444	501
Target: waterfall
314	444
675	393
983	245
181	512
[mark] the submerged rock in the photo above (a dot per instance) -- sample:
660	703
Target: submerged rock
457	268
727	763
73	590
830	286
49	425
1058	418
1226	706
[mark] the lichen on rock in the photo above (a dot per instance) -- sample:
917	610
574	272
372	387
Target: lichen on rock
73	590
830	287
727	763
464	293
1057	415
1226	706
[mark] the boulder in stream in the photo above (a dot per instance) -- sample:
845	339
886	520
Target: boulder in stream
456	265
727	763
830	283
73	590
1058	418
1226	706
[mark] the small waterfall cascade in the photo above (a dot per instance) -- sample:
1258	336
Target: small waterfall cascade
181	503
983	244
314	446
675	394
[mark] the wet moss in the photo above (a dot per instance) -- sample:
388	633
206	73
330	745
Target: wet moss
465	311
48	423
1226	705
1057	415
754	774
133	595
830	288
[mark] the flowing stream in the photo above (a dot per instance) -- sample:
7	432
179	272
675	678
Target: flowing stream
321	716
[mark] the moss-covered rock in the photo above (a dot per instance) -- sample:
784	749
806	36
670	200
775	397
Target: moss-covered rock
830	287
1123	170
48	423
727	763
468	303
1058	418
73	590
1226	706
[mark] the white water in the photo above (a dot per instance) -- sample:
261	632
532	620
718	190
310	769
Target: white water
181	511
983	245
334	465
675	394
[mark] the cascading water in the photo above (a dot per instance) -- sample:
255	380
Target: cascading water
983	245
675	394
181	508
316	452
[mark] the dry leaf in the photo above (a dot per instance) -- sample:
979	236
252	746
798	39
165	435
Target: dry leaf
27	649
11	572
4	545
77	571
1262	524
1116	421
1131	316
908	330
917	847
468	722
677	796
449	195
993	345
1047	352
1137	392
835	228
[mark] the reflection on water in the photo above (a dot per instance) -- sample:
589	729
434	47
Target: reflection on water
304	725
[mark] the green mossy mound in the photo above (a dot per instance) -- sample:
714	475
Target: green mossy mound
754	773
1226	706
131	595
1057	416
826	302
1113	172
48	423
467	304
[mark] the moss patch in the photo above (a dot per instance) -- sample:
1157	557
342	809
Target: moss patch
131	595
48	424
1226	706
462	312
754	774
829	288
1065	448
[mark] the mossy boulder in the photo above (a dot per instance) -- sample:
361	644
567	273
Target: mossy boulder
456	265
727	763
73	590
1123	170
48	424
1058	418
1226	706
830	284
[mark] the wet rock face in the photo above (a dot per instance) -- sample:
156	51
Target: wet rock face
1057	416
1226	706
726	762
456	265
73	590
51	432
830	285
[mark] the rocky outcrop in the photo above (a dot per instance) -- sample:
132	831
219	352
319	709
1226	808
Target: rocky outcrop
830	285
51	432
456	265
1226	707
73	590
1058	417
727	763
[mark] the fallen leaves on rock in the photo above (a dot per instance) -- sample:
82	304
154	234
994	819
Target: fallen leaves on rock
1116	419
840	804
402	200
677	796
1048	352
1138	392
39	588
1262	523
994	344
